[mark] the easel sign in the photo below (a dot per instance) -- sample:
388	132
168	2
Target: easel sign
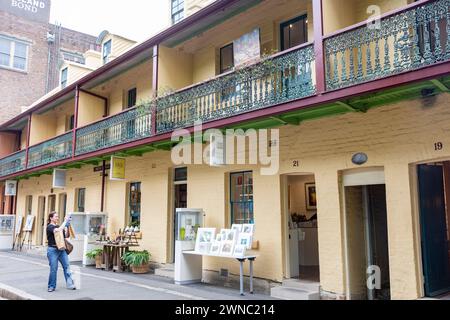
18	233
29	224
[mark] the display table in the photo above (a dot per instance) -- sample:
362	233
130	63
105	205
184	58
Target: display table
192	263
112	256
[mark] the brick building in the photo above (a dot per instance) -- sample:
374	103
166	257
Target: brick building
31	51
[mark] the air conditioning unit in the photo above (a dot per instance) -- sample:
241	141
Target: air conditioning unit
50	38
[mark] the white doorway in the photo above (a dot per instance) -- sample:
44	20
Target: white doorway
301	228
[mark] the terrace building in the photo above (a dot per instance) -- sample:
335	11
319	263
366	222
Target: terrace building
363	116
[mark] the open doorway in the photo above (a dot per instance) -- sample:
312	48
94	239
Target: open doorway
301	228
367	251
434	203
179	197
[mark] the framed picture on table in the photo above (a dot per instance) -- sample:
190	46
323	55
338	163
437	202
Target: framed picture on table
311	196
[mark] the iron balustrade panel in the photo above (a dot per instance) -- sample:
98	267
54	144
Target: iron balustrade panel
13	163
273	81
125	127
407	41
50	151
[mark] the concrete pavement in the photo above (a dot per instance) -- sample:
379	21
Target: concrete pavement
29	274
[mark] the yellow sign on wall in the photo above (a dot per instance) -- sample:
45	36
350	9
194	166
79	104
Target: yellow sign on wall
117	171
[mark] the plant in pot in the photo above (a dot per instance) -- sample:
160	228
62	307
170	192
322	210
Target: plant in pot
139	261
96	255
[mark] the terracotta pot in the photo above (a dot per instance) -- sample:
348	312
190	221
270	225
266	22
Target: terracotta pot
98	261
142	269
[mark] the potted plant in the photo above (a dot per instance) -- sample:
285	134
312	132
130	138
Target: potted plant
96	255
139	261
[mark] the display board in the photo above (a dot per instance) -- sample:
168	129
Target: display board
29	224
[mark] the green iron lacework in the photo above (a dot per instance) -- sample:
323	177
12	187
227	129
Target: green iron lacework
407	41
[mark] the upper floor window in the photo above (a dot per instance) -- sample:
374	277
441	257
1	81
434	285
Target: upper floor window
13	54
226	58
132	96
177	10
294	32
107	51
64	73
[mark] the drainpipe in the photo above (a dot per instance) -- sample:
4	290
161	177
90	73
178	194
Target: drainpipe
102	203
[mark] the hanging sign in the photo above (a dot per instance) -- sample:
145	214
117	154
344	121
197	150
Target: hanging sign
117	171
37	10
59	178
247	48
217	152
10	188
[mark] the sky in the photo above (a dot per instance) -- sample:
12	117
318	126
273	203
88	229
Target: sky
134	19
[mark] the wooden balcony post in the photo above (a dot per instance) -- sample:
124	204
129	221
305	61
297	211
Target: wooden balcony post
28	139
318	46
75	120
155	85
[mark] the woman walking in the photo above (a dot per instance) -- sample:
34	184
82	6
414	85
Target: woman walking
54	255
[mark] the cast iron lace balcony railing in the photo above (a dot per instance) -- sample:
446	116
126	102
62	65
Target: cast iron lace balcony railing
59	148
132	125
284	77
13	163
406	41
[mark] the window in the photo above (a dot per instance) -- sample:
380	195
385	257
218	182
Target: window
294	32
80	199
226	58
13	54
106	51
241	197
29	205
177	10
132	96
64	73
180	175
135	204
70	123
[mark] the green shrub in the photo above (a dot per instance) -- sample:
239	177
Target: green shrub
136	258
94	253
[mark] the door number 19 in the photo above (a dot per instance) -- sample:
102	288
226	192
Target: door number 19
438	146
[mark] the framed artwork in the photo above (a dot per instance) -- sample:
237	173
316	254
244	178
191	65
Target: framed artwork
205	237
227	248
229	235
239	251
215	248
29	224
237	227
248	228
19	224
245	239
311	197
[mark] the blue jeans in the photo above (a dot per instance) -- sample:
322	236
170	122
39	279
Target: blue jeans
54	255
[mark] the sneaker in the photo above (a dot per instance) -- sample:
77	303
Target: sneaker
51	289
72	288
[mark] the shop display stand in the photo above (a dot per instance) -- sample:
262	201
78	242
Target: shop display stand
26	237
17	242
189	265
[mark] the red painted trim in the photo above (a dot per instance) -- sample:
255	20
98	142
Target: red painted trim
155	85
75	120
318	46
93	94
383	16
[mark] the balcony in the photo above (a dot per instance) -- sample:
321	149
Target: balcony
284	77
128	126
57	149
13	163
405	41
416	37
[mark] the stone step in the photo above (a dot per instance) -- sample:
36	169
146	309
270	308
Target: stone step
303	285
166	271
286	293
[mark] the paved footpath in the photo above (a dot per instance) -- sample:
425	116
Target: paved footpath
29	274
